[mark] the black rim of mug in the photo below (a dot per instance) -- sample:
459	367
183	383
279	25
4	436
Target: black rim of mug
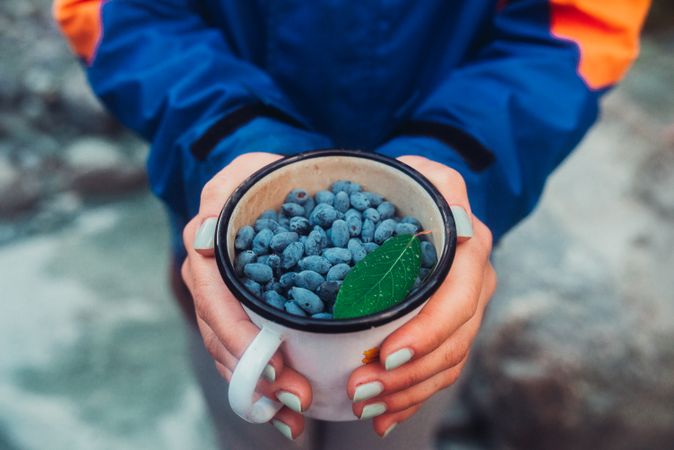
414	300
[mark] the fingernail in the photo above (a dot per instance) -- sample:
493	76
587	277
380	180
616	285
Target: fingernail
269	373
464	226
389	429
205	237
367	390
397	359
373	410
283	428
290	400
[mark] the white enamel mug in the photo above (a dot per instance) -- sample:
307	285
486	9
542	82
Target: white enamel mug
326	352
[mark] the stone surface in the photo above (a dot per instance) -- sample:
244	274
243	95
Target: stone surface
18	192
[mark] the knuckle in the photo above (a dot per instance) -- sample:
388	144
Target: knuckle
212	346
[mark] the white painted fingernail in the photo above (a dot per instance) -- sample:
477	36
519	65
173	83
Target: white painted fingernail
397	359
205	237
373	410
283	428
269	373
464	226
368	390
290	400
389	429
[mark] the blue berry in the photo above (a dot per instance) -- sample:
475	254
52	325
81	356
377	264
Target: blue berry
284	222
261	241
292	209
269	224
244	238
354	224
372	214
337	272
324	316
269	214
367	232
326	197
312	245
340	186
384	230
336	255
323	234
339	233
273	286
308	279
341	202
294	309
375	199
354	187
259	272
360	201
243	258
307	300
299	196
423	273
273	261
370	246
281	240
309	206
352	212
405	228
357	249
386	210
300	225
316	263
412	220
292	255
328	291
428	255
274	299
287	280
253	287
323	215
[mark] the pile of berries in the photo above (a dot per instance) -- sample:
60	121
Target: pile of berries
296	258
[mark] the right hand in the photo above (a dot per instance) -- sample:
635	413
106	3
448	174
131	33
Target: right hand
225	328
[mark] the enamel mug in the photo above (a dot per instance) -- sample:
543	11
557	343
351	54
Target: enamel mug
326	352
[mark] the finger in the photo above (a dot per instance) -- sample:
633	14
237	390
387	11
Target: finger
383	425
401	400
452	305
374	380
289	423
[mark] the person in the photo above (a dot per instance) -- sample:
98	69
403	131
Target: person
485	98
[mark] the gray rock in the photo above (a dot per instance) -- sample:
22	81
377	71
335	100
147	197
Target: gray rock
654	182
18	193
97	167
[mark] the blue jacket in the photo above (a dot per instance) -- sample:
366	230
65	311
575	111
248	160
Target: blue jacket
500	90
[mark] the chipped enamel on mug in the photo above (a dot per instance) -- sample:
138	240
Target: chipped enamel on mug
326	352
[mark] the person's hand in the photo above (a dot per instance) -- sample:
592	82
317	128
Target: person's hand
428	353
224	326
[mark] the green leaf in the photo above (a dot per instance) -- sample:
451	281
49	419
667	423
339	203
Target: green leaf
380	280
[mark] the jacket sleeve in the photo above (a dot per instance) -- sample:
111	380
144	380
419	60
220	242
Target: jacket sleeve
165	73
524	100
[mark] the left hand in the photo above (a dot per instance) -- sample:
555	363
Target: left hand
428	353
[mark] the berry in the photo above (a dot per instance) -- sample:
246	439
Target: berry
384	230
357	250
412	220
274	299
386	210
287	280
374	198
360	201
259	272
322	315
337	272
253	287
340	186
281	240
372	214
262	224
242	259
323	215
336	255
294	309
367	232
261	241
316	263
428	255
355	224
370	246
405	228
326	197
292	254
299	196
308	279
299	225
244	238
328	291
292	209
341	201
339	233
307	300
269	214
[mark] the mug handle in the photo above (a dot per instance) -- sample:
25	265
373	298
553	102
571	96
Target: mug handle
246	374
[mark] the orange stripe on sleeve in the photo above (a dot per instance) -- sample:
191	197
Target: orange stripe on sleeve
607	33
80	22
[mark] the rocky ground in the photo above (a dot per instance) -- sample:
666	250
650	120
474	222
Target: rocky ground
576	351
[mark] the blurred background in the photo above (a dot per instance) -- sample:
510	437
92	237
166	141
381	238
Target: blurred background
577	350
